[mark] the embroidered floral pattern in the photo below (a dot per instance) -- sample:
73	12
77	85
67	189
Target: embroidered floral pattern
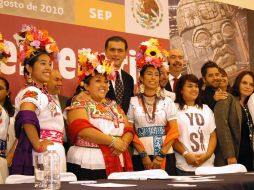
30	94
53	135
108	110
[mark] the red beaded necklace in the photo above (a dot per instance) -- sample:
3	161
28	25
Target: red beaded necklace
149	118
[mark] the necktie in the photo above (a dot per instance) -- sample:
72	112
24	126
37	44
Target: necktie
174	85
118	89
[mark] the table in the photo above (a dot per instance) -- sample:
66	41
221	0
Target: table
227	182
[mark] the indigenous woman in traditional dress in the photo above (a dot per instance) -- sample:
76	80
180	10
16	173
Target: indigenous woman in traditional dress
6	111
197	140
98	127
234	124
39	120
152	115
6	108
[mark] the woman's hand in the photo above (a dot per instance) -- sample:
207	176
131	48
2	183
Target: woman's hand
9	158
115	152
201	158
219	95
120	145
191	159
157	162
232	160
147	163
42	146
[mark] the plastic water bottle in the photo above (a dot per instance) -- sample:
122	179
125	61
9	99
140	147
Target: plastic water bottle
52	168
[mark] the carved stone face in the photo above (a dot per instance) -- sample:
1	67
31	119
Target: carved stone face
209	27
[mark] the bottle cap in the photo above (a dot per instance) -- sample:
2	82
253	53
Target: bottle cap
51	147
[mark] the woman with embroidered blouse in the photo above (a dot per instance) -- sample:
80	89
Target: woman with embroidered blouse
39	121
6	111
6	108
98	128
152	115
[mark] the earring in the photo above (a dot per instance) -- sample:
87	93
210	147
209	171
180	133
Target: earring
158	91
141	88
82	84
29	78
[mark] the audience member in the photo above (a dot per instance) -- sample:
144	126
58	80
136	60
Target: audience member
212	93
39	122
54	86
234	124
153	116
175	60
120	90
197	140
164	74
98	127
6	111
224	82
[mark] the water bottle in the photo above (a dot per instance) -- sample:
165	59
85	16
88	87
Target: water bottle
52	168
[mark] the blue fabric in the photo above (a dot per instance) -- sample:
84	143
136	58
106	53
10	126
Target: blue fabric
153	131
3	146
23	159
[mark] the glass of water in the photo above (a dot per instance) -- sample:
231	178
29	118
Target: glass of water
39	173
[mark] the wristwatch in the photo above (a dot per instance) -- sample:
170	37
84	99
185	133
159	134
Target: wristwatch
143	154
161	154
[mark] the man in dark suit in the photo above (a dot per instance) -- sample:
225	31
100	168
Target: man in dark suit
54	86
175	60
120	90
211	77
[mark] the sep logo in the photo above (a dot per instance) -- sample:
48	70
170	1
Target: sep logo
147	13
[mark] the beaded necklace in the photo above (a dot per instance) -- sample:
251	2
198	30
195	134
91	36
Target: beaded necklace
249	124
149	118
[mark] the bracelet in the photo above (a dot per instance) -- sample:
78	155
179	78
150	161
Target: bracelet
40	149
143	154
185	153
112	142
161	154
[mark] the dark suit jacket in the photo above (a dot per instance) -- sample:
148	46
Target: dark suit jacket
62	101
168	87
228	119
207	97
128	85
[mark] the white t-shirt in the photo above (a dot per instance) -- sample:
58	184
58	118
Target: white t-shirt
195	126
